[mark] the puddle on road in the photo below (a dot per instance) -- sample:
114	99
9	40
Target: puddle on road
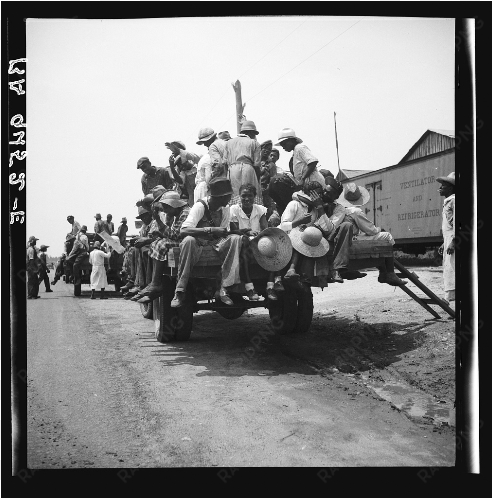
414	403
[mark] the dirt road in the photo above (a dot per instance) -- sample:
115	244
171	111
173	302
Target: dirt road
102	392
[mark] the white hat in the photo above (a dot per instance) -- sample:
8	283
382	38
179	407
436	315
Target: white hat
309	242
205	134
353	195
272	249
286	133
448	179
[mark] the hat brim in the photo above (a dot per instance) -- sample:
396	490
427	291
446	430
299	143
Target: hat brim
361	201
205	139
445	179
297	139
253	131
312	252
231	192
175	203
282	255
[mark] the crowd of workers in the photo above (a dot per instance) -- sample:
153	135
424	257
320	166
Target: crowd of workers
231	198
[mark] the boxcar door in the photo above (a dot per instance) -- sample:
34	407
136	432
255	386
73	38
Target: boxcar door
378	204
370	207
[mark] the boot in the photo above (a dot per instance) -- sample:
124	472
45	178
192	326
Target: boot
103	296
93	294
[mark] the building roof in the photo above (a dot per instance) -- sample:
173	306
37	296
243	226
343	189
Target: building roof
345	174
431	142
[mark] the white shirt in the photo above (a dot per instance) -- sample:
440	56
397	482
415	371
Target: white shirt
253	221
197	212
97	257
301	157
83	238
204	169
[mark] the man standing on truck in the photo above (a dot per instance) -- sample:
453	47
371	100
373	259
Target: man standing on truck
98	227
108	225
209	224
153	176
447	250
121	233
216	148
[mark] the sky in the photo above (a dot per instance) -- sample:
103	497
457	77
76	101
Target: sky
103	93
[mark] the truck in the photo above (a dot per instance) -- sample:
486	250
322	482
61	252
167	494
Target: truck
113	267
291	313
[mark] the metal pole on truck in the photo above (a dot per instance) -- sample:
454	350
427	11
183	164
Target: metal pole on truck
336	141
239	105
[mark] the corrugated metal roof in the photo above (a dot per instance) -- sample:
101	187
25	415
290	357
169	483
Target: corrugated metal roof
431	142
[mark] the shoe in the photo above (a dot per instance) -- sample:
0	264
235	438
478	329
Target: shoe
352	275
127	287
291	275
52	282
252	295
36	297
49	290
271	294
178	300
136	297
391	279
143	299
30	297
336	277
278	286
225	298
152	291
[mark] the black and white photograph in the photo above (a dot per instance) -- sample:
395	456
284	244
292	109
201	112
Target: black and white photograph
266	206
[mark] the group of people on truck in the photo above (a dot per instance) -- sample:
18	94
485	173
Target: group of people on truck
234	197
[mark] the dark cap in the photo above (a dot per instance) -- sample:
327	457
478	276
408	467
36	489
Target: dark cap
142	161
220	186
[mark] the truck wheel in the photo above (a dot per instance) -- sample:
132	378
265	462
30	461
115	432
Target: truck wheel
283	312
146	310
172	324
304	311
77	289
226	312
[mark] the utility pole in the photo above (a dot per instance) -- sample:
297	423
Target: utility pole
239	105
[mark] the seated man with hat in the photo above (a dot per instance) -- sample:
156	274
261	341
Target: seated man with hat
208	223
242	157
152	175
169	212
73	232
306	223
354	197
139	263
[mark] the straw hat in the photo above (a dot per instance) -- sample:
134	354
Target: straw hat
205	134
141	210
123	220
272	249
171	198
43	247
286	133
98	216
31	238
353	195
309	242
447	179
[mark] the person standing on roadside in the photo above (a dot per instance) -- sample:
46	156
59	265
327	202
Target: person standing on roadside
448	248
98	274
43	268
32	267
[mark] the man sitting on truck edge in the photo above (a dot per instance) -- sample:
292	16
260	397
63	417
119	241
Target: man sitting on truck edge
152	176
209	224
353	198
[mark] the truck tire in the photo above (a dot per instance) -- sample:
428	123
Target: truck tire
77	289
172	324
230	313
146	310
283	312
304	310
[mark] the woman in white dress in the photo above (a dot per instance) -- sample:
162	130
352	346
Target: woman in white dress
203	175
98	275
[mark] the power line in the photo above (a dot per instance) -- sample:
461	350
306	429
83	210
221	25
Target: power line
314	53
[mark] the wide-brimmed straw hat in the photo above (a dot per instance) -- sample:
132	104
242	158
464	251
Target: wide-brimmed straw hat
205	134
43	247
171	198
249	126
220	186
98	215
309	242
354	195
448	179
286	133
272	249
123	220
31	238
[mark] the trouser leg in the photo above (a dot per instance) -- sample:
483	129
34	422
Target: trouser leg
189	255
144	263
137	274
76	268
149	275
229	251
342	243
32	283
43	277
